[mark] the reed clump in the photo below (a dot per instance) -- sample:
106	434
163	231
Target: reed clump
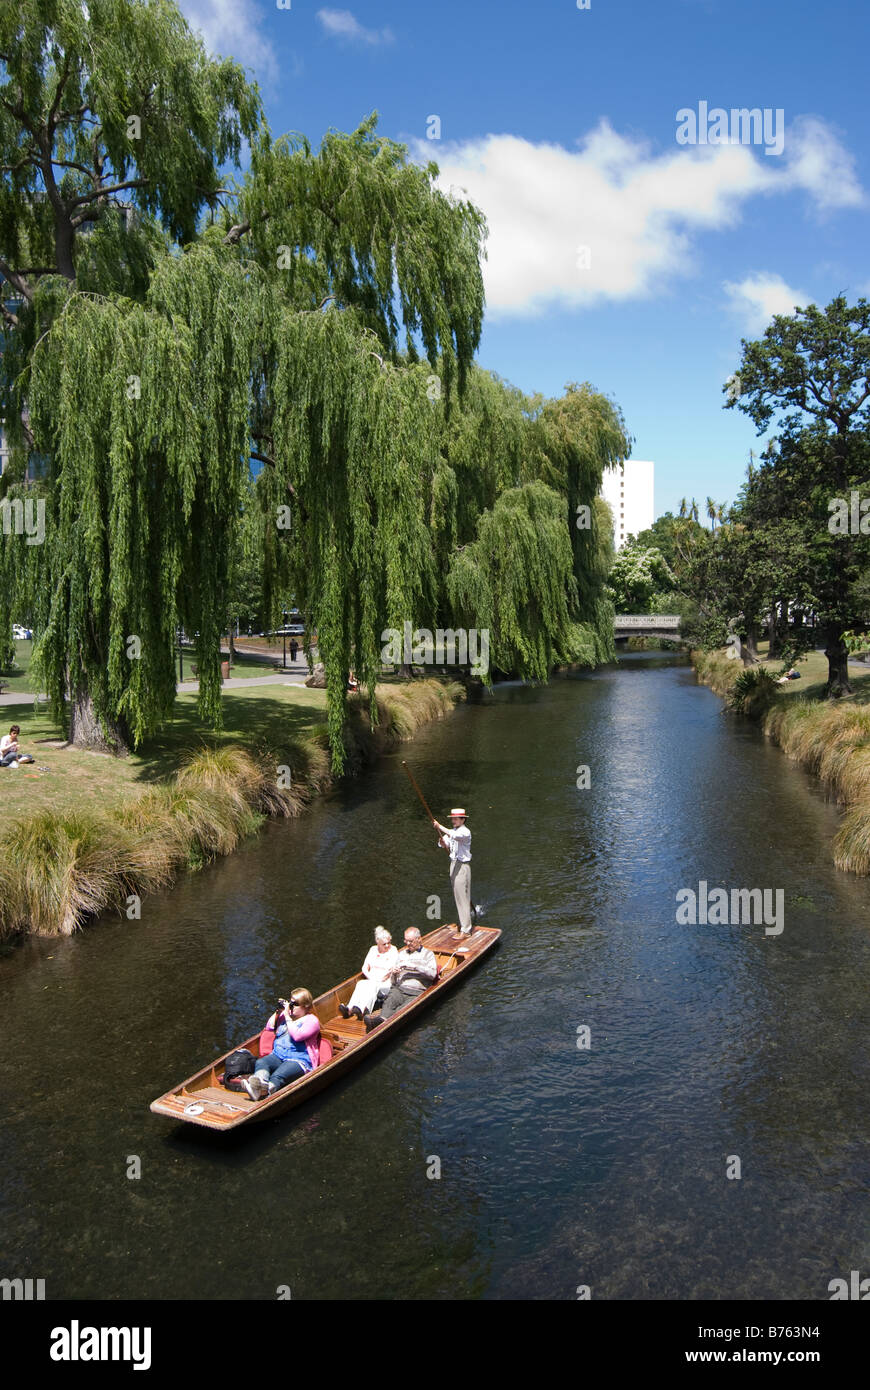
59	868
832	739
829	738
716	670
401	711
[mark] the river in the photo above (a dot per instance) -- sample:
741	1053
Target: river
713	1050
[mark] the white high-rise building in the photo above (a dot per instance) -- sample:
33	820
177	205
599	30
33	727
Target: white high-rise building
628	489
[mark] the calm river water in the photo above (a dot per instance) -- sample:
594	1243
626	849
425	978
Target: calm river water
560	1166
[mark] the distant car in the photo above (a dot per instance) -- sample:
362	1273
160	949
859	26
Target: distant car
297	630
21	634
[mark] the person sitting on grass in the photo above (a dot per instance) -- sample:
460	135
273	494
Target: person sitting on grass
10	754
295	1050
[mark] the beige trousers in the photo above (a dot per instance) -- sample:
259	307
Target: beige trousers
460	877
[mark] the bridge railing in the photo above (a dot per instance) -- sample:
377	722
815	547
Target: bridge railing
660	622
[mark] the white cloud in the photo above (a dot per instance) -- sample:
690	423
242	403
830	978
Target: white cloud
341	24
817	162
233	28
638	212
758	297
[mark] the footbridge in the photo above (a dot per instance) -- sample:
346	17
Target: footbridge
646	625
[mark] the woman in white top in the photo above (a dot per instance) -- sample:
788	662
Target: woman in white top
376	969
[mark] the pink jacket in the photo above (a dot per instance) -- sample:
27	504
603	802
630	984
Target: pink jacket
305	1029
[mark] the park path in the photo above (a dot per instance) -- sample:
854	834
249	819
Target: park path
288	677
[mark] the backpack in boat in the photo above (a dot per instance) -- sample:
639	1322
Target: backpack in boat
239	1063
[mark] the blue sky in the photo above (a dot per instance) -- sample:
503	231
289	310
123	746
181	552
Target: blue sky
561	124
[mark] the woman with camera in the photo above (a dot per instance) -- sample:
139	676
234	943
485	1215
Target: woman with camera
295	1047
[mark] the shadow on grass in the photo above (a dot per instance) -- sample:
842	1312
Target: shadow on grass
262	723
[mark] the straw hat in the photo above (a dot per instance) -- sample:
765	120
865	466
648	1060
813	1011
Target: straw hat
457	811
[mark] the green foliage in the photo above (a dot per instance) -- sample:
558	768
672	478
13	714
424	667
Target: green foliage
753	691
516	581
809	373
142	412
636	574
73	73
359	222
674	536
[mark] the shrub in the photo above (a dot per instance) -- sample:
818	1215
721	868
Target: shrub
753	691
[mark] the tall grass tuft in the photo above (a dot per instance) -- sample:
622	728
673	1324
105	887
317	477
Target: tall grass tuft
65	868
852	841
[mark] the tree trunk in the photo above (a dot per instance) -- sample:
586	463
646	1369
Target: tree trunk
749	645
87	731
775	648
838	664
232	647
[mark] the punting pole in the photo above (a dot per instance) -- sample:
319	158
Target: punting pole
417	789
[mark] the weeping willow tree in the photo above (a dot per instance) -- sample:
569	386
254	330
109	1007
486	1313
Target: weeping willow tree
366	267
114	123
143	412
497	443
358	438
515	581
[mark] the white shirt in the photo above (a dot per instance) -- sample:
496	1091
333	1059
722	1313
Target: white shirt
378	964
459	842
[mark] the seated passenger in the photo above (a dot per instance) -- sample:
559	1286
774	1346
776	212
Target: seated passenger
295	1050
376	968
415	968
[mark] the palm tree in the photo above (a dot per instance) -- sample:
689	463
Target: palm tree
711	512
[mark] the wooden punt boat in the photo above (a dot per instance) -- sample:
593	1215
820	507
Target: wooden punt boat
202	1100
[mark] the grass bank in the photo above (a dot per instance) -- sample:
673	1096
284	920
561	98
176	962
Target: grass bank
84	833
831	739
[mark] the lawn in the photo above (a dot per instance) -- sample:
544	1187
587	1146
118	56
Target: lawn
814	674
259	718
17	677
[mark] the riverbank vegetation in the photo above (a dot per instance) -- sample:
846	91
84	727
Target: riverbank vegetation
82	849
791	557
830	739
292	356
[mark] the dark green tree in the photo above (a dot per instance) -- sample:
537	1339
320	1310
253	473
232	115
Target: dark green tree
811	374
